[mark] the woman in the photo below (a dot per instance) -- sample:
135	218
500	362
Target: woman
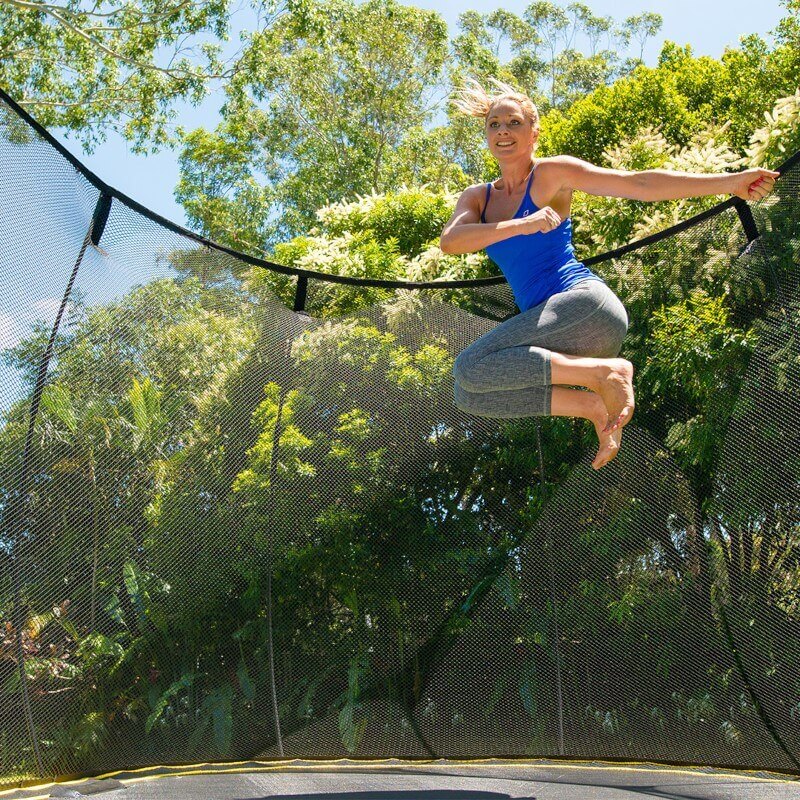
571	325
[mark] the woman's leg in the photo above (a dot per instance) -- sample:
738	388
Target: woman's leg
611	378
588	405
564	402
509	372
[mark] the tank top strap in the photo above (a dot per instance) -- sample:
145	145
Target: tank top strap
527	206
486	202
526	198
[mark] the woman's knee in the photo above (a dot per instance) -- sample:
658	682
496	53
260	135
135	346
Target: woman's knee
620	331
464	369
614	331
460	398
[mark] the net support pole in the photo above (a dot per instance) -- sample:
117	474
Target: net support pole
747	219
20	502
554	600
301	293
752	233
273	476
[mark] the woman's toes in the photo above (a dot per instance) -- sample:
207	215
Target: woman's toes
608	449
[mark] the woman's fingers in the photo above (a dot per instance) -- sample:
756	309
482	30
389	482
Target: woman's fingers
763	185
546	219
759	190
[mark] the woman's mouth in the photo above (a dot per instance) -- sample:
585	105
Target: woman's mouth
505	143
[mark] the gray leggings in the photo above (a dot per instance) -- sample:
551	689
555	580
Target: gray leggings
506	372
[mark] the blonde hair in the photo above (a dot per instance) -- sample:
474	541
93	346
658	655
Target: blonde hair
472	99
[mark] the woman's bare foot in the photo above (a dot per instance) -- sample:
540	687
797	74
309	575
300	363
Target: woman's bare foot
589	405
616	389
608	443
609	446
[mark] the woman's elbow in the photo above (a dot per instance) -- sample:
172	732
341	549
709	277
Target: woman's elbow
445	245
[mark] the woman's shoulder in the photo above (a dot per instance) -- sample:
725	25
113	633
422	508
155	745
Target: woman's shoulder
476	189
555	163
555	172
473	194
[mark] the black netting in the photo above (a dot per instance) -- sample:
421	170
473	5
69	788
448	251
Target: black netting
231	530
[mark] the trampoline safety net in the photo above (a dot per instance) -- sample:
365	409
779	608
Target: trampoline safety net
234	529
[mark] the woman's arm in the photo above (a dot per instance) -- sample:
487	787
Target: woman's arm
465	233
661	184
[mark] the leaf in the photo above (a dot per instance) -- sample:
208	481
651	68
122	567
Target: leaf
133	583
57	401
248	689
218	704
351	732
37	623
183	683
96	647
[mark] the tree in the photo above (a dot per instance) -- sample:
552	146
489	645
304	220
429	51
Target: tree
546	60
640	28
315	112
121	65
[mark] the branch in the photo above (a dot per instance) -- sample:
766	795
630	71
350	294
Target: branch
53	12
27	102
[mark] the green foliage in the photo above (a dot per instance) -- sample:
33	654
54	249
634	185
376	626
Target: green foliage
391	236
123	67
351	728
277	410
318	104
604	118
412	217
684	93
695	347
780	137
168	696
231	496
605	223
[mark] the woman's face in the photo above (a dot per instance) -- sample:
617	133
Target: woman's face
509	134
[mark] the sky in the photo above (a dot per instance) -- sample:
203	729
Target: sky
709	26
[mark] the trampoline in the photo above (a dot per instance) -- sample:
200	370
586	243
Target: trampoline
247	534
396	780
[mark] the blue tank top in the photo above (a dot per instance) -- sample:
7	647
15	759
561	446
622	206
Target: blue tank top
537	265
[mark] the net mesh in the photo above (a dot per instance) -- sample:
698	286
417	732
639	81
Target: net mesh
231	530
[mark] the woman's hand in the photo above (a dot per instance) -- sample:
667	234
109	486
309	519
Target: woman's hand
753	184
544	220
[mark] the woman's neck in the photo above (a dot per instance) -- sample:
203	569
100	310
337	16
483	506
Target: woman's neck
514	176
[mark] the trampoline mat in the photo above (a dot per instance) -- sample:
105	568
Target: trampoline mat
395	780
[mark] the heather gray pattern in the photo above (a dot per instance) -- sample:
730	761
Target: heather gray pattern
506	372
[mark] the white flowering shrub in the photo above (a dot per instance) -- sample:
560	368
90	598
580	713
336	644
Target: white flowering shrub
432	264
648	149
357	255
391	236
413	216
604	223
780	137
